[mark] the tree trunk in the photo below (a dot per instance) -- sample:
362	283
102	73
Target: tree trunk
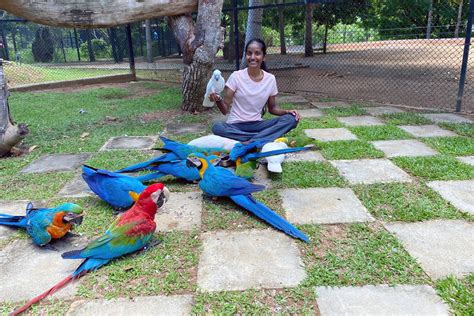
149	52
90	48
254	26
10	134
430	19
458	23
231	46
5	44
325	42
281	26
199	45
308	35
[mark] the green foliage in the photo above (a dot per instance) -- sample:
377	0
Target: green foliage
436	167
349	149
458	293
458	146
101	49
43	45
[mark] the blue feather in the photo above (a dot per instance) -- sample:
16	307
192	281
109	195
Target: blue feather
258	155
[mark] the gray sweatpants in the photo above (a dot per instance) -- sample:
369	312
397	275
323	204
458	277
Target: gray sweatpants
268	130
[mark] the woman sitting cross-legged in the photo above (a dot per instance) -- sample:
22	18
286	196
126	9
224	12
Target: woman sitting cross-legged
249	90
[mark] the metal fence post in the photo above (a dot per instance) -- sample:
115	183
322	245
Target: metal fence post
131	57
235	12
77	45
467	43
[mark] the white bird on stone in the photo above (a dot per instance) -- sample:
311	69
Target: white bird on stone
213	141
215	85
274	162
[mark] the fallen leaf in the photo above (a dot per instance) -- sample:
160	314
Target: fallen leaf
32	148
84	135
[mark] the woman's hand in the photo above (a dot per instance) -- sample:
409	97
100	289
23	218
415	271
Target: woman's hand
295	114
214	97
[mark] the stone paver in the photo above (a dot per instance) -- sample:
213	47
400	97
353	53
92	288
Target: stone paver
458	193
330	134
446	118
56	162
141	305
325	105
28	270
427	131
404	147
380	300
323	206
381	110
367	171
261	176
186	128
15	208
363	120
310	113
181	212
130	142
294	98
308	155
76	188
467	159
249	259
442	247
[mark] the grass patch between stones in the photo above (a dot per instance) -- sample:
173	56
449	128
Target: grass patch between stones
379	132
458	293
436	167
349	149
345	110
405	118
457	146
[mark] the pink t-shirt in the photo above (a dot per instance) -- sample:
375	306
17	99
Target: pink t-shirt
250	97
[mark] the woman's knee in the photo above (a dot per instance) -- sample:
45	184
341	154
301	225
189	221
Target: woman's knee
290	120
218	128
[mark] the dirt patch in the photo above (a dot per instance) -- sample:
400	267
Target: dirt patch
169	115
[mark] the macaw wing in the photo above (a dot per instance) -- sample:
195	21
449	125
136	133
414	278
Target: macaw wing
146	164
226	183
36	227
254	156
239	149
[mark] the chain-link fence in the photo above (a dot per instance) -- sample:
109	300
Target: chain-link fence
400	51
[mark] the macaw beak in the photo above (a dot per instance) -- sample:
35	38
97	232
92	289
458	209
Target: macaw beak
163	198
193	162
225	161
73	218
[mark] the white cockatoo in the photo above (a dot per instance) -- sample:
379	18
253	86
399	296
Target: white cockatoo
216	84
213	141
274	162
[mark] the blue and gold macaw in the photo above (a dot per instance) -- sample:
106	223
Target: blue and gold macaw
218	181
44	224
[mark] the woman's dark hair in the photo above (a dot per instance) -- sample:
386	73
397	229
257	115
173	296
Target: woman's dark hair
263	47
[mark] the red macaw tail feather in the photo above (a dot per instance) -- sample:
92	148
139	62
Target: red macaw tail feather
41	296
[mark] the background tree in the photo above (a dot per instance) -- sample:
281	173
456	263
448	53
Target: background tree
43	45
254	26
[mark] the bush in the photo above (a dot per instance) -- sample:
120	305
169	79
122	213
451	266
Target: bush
101	49
43	45
270	36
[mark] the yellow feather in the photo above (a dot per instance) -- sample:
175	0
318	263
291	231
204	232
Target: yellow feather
134	195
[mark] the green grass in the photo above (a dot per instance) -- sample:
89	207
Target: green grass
458	293
317	174
345	110
405	118
379	132
49	306
405	202
457	146
356	255
465	129
117	159
349	149
312	123
435	167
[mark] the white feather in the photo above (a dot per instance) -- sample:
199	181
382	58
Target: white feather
215	85
274	162
213	141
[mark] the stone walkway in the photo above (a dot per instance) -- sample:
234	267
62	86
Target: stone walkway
241	260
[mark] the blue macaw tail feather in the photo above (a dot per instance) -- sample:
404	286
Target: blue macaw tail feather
150	176
12	220
253	156
268	215
239	149
90	264
149	163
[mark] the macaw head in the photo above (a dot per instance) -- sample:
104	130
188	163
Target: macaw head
216	74
199	161
71	214
157	192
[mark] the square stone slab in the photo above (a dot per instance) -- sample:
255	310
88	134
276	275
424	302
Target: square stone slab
367	171
310	113
140	305
291	98
181	212
130	142
325	105
323	206
404	147
427	131
381	110
308	155
186	128
458	193
56	162
15	208
363	120
76	188
261	176
442	247
330	134
468	159
249	259
446	118
380	300
28	270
